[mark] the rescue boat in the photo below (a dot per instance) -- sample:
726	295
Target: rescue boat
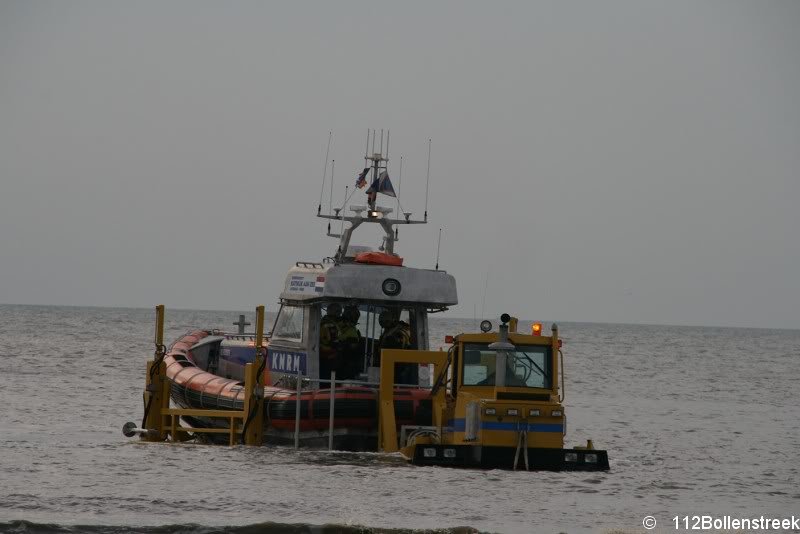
206	367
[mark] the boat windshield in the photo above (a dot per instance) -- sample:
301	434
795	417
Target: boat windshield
289	323
526	366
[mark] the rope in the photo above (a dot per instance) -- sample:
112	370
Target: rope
159	357
522	444
563	393
516	454
443	373
254	409
525	445
412	437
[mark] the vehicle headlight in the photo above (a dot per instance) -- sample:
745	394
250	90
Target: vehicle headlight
512	411
557	413
534	412
490	411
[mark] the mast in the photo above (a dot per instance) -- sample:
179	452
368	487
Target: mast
377	162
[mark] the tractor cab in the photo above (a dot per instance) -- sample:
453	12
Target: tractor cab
497	402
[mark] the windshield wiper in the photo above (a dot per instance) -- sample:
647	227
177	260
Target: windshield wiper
541	371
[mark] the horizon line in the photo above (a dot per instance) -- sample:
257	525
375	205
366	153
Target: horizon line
433	316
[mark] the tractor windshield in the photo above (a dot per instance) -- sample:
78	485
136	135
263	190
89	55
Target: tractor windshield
526	366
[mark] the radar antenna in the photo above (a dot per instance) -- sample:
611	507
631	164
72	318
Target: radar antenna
376	165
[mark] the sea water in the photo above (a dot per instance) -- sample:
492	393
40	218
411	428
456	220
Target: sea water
697	422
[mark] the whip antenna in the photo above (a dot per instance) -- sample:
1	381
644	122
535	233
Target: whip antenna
330	200
428	180
324	173
483	299
399	184
438	247
341	227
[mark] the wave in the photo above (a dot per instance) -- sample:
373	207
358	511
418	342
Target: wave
28	527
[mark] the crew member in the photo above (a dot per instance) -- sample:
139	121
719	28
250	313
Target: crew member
328	340
349	343
397	335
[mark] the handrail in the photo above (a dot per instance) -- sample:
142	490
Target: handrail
330	414
298	402
346	382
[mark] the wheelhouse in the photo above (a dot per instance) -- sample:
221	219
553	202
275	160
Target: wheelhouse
313	290
386	304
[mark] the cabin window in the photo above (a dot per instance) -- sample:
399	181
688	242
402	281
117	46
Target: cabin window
377	326
527	366
289	324
353	333
390	327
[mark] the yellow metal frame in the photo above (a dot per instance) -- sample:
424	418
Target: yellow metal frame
387	428
163	421
254	386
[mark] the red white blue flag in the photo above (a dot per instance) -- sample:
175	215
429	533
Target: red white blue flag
361	180
382	184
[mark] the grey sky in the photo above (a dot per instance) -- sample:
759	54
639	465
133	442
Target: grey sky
603	161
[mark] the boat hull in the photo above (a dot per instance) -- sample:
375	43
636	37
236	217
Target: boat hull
355	418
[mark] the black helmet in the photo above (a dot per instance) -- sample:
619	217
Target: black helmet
351	314
386	318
